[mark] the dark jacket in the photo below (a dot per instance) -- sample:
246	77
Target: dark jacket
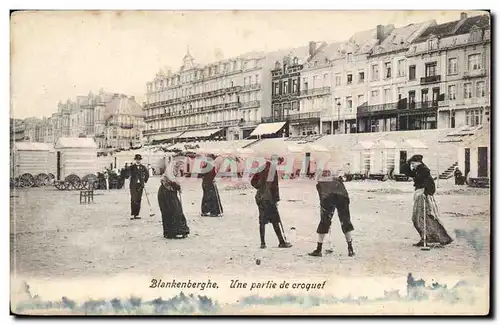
266	190
329	187
138	174
421	178
209	177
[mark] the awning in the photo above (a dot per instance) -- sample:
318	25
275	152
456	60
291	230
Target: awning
414	144
385	144
165	136
267	128
200	133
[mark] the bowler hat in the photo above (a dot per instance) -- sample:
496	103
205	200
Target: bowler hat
137	157
416	158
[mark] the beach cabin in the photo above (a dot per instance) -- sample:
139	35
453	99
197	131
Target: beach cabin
474	155
75	156
32	158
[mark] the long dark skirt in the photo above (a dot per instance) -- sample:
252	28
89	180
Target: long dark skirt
210	203
436	232
173	219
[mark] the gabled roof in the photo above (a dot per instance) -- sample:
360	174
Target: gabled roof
77	143
401	37
122	105
32	146
457	27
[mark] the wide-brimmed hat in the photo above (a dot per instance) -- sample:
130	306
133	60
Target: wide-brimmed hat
416	158
137	157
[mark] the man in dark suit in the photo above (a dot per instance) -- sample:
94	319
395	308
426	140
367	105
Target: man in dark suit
138	178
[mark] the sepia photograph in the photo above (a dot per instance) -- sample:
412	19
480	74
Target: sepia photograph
244	162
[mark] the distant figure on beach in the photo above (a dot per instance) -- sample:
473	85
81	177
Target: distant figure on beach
139	176
210	204
423	200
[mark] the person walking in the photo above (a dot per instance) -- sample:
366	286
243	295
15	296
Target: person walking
210	203
139	176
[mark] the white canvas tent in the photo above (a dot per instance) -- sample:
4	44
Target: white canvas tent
75	156
33	158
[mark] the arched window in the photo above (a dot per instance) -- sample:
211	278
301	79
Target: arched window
295	61
277	65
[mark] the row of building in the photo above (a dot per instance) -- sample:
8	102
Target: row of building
112	120
420	76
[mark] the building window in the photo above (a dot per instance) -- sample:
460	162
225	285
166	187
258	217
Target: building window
361	99
338	80
325	80
452	92
375	72
474	117
452	66
425	95
349	57
295	85
257	79
474	62
467	90
375	94
387	95
431	43
412	72
348	101
315	79
276	88
411	98
430	69
285	87
388	68
349	78
305	84
361	76
401	67
480	89
295	106
476	35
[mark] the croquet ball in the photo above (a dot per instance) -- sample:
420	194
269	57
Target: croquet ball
257	261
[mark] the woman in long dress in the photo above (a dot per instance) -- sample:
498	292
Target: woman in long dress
423	200
173	219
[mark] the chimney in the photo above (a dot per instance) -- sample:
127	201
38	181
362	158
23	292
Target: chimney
463	15
380	33
312	48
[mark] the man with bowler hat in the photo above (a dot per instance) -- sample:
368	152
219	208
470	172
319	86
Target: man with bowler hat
138	177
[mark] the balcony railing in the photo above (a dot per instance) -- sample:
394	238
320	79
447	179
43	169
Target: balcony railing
478	73
255	103
293	117
250	87
315	91
192	111
397	106
127	126
377	108
192	97
430	80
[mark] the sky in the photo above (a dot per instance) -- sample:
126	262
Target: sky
58	55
